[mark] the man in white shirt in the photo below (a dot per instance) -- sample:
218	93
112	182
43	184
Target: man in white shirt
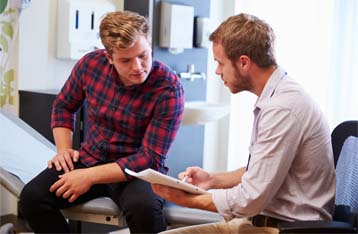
290	174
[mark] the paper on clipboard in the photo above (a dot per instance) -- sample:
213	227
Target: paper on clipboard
155	177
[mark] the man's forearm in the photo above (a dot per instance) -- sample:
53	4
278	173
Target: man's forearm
63	138
108	173
177	196
203	202
223	180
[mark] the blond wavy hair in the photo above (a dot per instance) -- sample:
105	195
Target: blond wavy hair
119	30
246	34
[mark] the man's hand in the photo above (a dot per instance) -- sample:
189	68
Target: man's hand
64	160
197	176
171	194
72	184
202	201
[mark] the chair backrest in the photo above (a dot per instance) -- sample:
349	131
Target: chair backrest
345	149
347	175
340	134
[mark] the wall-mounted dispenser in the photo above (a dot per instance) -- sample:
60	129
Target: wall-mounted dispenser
78	26
202	32
176	27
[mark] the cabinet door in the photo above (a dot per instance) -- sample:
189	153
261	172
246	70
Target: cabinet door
35	110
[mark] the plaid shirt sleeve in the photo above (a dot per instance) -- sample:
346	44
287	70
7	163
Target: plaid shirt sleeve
159	134
68	101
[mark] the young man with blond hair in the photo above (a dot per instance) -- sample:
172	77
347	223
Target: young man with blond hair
134	107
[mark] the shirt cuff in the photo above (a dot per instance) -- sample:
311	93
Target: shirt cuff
220	200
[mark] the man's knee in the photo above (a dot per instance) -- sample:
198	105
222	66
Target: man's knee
145	216
144	205
138	197
27	201
31	198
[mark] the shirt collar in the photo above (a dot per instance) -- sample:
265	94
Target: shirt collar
270	86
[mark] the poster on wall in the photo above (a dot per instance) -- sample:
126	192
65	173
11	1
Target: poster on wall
9	17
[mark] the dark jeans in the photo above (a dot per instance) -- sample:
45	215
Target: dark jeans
41	208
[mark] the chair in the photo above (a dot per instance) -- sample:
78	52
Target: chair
345	150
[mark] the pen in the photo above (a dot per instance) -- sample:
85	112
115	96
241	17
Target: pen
185	178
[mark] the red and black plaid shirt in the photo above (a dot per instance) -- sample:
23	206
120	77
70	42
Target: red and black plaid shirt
132	126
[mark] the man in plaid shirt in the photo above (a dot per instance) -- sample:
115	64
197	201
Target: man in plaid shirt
134	107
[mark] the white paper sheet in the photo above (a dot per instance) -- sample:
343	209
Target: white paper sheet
155	177
23	151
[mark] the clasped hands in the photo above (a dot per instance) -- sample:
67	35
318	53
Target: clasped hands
72	183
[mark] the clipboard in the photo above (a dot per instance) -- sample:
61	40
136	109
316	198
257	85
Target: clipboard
156	177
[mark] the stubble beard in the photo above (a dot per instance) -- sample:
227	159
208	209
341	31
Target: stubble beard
243	83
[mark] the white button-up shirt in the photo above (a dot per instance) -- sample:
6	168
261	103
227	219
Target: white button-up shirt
291	170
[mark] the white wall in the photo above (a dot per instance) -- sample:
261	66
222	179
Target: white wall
37	45
216	133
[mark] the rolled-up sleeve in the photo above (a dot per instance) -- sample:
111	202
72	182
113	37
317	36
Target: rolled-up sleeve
220	200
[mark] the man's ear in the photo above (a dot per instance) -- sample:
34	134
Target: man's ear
244	62
109	57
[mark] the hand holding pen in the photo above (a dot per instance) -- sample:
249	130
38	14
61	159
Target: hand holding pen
196	176
185	178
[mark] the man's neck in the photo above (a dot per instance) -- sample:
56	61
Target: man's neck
260	77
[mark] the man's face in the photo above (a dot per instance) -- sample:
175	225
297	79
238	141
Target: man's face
233	78
133	64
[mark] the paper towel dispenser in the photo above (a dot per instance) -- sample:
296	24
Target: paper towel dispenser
202	32
176	26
